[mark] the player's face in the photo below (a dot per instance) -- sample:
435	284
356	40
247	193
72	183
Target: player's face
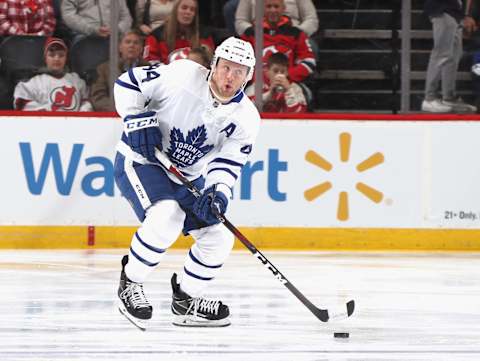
274	10
228	78
56	59
130	47
186	12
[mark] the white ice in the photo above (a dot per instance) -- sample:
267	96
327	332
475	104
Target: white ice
61	305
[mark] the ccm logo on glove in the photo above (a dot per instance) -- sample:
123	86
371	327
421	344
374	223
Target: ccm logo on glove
134	124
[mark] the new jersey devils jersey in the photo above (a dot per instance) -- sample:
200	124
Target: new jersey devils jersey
46	92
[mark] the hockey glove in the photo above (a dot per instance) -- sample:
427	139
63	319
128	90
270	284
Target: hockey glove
143	134
210	203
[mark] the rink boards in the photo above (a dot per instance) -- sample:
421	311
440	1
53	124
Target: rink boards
373	182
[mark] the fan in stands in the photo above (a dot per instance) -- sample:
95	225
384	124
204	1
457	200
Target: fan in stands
53	89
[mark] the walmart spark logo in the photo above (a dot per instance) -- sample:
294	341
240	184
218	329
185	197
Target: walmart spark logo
342	206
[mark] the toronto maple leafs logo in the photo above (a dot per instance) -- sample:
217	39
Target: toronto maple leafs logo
184	152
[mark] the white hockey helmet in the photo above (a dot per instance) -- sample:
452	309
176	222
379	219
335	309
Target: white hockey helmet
238	51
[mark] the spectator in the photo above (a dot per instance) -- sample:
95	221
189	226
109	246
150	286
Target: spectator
279	94
54	89
130	49
152	13
301	12
279	35
448	20
92	17
178	35
229	10
201	55
27	17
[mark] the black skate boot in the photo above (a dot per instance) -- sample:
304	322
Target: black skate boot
197	311
133	303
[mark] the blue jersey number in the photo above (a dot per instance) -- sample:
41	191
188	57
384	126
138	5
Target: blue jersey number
151	73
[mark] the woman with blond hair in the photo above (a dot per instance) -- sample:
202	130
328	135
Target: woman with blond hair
181	32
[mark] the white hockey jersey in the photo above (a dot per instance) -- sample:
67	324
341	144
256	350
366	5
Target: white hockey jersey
46	92
200	135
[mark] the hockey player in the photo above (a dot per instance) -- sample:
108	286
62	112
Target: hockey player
206	126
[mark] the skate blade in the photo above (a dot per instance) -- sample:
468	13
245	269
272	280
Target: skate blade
182	321
141	324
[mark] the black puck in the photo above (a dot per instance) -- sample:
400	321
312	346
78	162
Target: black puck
341	334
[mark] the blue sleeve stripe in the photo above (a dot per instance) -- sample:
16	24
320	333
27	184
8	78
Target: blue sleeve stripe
132	77
227	161
225	170
196	260
126	85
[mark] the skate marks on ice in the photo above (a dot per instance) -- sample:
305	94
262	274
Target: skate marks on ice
61	305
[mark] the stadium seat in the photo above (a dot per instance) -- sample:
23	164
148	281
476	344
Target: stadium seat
86	54
6	93
21	56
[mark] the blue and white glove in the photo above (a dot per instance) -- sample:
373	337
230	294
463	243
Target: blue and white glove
143	134
212	201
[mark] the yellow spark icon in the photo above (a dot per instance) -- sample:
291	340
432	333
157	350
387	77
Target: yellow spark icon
342	207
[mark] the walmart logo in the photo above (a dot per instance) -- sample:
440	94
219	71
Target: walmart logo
343	206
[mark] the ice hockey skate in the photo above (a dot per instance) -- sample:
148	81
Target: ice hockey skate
197	311
132	301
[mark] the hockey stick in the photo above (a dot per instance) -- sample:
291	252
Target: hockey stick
322	314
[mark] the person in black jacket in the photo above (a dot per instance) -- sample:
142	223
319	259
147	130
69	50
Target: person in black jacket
448	20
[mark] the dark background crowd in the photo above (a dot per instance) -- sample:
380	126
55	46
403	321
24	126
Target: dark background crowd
54	53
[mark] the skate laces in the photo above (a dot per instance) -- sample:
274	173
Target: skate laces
204	305
134	294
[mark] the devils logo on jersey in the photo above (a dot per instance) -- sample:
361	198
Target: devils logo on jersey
63	98
178	54
184	152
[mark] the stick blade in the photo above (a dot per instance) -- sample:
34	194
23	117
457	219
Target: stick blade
336	314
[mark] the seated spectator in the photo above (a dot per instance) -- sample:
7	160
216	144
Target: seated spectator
280	36
201	55
152	13
301	12
178	35
279	94
130	49
27	17
54	89
92	17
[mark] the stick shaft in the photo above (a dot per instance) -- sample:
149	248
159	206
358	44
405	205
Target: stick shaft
322	315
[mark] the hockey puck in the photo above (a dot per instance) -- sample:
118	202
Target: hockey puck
341	334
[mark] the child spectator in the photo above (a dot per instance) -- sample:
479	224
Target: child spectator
279	35
130	49
279	94
181	32
152	13
54	89
27	17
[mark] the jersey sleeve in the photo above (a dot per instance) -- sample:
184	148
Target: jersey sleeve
232	155
27	96
133	90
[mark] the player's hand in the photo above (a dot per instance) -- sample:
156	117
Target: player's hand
143	134
209	204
